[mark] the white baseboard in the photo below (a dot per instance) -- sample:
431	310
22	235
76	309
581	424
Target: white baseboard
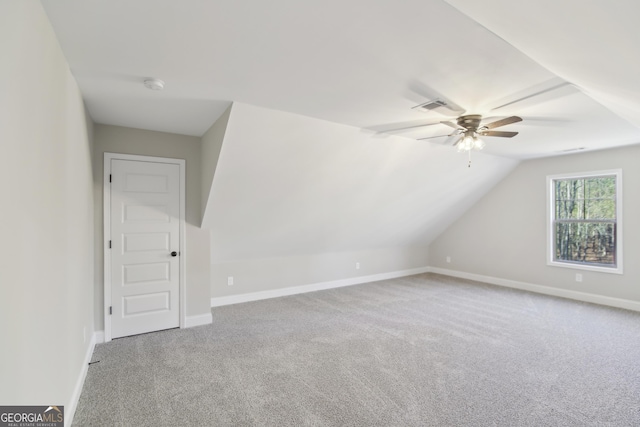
70	410
275	293
541	289
190	321
201	319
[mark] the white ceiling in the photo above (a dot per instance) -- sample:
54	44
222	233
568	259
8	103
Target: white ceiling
362	63
591	43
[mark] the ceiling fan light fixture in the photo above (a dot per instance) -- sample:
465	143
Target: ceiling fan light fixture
470	141
465	144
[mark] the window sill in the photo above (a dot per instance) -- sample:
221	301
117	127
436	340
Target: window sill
610	270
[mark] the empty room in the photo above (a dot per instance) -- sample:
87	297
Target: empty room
306	213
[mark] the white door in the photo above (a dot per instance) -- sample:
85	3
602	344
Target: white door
145	227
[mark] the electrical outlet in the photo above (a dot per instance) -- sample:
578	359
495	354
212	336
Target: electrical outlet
578	277
357	266
230	281
448	259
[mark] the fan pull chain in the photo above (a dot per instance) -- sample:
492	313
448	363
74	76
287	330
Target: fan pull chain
469	159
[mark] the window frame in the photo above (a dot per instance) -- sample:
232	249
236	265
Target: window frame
551	207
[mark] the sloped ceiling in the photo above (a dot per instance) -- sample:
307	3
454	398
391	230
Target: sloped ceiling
288	184
591	43
361	63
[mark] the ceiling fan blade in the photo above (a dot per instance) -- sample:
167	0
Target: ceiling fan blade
503	122
550	88
404	128
451	124
431	137
399	127
501	134
535	120
453	139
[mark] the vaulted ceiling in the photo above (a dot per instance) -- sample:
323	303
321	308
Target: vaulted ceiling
364	64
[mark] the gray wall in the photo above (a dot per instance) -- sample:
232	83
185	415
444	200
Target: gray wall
46	270
211	147
266	274
114	139
505	234
298	201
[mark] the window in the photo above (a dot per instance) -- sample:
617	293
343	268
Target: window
585	226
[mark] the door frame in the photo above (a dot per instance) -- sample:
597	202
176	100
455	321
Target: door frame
107	233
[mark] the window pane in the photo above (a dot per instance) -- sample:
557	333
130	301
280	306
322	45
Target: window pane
592	243
600	187
569	189
601	209
561	190
570	209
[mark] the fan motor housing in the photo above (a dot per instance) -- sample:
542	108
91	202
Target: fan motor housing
470	122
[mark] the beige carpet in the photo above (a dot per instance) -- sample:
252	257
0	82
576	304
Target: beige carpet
425	350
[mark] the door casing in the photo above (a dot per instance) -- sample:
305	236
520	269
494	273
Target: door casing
107	233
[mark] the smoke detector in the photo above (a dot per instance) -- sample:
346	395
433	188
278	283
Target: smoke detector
154	84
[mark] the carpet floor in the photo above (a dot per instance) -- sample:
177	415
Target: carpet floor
425	350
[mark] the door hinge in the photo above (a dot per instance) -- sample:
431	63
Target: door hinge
111	310
109	177
109	244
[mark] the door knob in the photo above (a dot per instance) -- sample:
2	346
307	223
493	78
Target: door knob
174	253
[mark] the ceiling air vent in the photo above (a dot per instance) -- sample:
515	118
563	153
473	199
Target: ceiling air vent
431	105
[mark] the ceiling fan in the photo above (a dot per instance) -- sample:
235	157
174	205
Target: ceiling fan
469	128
